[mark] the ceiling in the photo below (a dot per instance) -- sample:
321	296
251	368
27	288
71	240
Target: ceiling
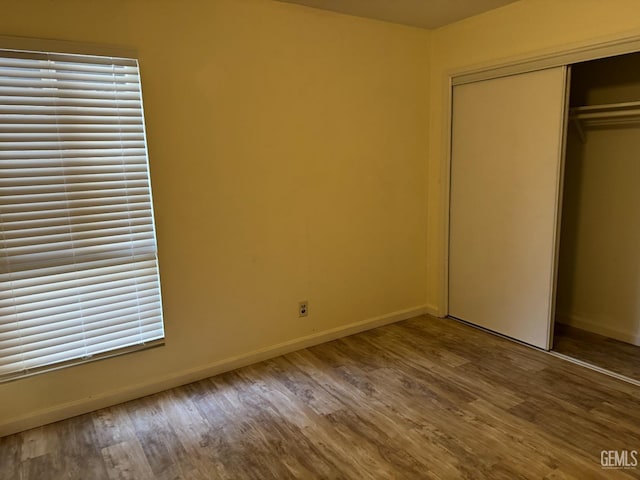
417	13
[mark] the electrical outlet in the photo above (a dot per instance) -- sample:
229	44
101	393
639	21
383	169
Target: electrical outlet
303	308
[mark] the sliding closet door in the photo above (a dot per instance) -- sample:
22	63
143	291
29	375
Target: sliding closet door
507	136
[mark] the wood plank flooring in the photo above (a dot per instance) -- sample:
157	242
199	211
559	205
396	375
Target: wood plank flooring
421	399
604	352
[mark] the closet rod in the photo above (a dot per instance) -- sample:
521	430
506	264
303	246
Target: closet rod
627	113
608	106
606	110
606	114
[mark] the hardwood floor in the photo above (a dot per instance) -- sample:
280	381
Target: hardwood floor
424	398
604	352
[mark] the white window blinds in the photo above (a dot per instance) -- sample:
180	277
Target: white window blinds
78	268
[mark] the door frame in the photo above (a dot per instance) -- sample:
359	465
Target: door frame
532	61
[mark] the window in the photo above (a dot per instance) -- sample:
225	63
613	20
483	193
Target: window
78	266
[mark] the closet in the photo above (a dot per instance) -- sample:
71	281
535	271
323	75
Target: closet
544	225
598	286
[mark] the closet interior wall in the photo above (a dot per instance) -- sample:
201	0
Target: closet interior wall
598	288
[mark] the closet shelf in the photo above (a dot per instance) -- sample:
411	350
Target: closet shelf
612	114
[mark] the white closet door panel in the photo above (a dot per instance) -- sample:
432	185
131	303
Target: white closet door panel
505	174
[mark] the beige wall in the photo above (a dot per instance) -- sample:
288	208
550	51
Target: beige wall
516	31
599	270
288	159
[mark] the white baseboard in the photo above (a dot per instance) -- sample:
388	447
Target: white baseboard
434	311
594	327
159	384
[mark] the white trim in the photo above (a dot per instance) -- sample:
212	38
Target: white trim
558	205
592	326
578	52
434	311
64	46
445	181
159	384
